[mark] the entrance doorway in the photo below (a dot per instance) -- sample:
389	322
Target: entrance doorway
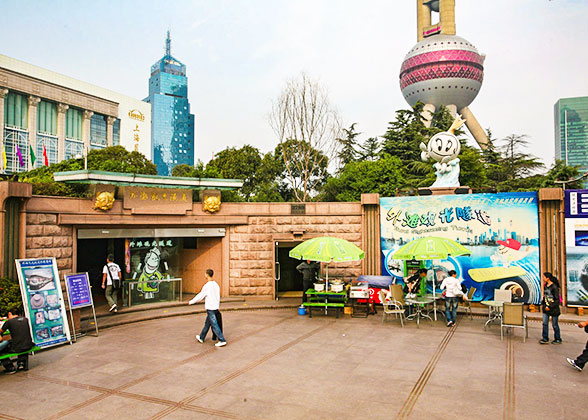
91	258
288	279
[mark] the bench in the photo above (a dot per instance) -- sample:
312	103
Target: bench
327	305
22	357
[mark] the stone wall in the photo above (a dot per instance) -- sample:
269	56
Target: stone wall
251	266
45	238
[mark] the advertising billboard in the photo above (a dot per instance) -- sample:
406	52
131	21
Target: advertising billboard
501	231
43	300
576	225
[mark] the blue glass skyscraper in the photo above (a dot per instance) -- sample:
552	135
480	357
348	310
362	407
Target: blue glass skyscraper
172	125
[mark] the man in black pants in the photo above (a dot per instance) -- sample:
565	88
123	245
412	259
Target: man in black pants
309	272
20	340
582	359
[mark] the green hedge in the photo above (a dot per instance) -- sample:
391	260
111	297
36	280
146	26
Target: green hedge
9	295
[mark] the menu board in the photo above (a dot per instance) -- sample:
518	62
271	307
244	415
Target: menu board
78	290
43	300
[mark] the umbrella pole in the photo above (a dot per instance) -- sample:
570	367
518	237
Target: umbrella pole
326	286
434	287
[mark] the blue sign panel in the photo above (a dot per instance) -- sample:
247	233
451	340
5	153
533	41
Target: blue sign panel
576	203
78	290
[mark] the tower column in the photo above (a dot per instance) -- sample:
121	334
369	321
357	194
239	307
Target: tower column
33	102
447	16
423	19
427	114
61	110
86	130
3	93
110	130
475	128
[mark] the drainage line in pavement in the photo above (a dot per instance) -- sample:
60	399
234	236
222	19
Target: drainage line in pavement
418	388
509	381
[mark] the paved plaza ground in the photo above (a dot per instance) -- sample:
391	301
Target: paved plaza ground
279	365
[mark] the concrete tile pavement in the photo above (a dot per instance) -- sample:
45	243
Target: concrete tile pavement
279	365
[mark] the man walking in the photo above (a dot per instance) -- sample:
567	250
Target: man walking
111	278
309	272
20	339
581	360
211	294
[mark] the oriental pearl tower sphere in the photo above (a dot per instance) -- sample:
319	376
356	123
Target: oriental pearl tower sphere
443	68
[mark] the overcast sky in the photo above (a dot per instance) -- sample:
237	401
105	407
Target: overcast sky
240	53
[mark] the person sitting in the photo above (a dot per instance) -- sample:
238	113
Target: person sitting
412	285
20	339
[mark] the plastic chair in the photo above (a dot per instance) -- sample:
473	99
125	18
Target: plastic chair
502	295
513	317
467	304
397	294
391	306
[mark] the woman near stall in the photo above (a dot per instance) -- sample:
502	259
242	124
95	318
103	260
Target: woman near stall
550	306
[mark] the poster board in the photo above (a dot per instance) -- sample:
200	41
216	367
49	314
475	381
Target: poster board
501	231
43	300
576	227
79	295
78	290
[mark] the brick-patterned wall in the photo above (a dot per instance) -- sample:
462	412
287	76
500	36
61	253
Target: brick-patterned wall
46	239
251	249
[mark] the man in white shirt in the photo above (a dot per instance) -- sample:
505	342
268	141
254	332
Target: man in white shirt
211	295
110	275
453	291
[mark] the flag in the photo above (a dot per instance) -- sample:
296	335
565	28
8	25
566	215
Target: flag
46	160
4	157
33	157
19	154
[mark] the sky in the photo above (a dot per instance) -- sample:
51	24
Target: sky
240	54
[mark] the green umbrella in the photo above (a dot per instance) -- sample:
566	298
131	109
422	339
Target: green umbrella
430	248
327	249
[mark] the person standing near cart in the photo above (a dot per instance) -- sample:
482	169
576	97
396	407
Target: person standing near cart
551	309
110	279
309	272
453	292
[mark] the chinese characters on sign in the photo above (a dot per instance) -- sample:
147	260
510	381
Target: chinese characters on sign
157	200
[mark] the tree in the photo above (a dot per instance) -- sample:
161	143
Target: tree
307	127
348	146
111	159
516	163
370	149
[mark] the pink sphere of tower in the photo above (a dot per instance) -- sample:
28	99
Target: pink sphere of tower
442	70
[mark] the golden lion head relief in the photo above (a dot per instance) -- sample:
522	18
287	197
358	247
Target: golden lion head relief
211	204
104	201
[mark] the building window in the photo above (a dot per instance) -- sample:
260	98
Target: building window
98	131
73	148
116	133
16	111
73	124
47	118
16	140
50	143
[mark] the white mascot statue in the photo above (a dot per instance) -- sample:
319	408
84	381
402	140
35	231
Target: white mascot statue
444	148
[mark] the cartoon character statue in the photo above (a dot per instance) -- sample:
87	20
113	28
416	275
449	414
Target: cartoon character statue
150	272
444	148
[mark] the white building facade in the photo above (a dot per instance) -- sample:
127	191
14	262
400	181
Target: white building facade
49	113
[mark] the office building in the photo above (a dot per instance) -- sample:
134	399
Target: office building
41	110
571	131
172	125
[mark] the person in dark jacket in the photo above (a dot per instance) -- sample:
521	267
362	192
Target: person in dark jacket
309	272
582	359
20	338
413	283
550	305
